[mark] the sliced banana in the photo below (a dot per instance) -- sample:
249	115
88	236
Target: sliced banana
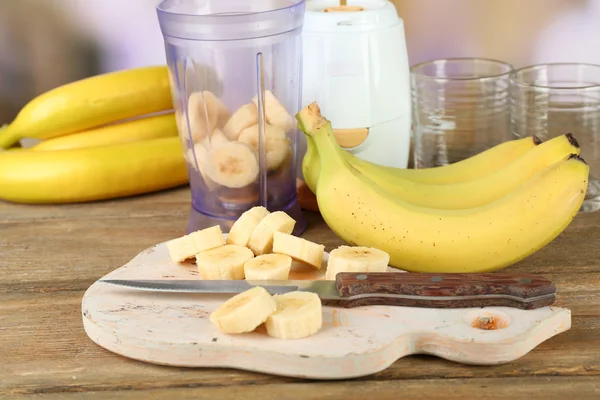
208	238
268	267
182	248
299	249
278	145
356	259
181	122
203	114
242	118
242	228
298	315
261	239
217	139
244	312
275	112
223	263
223	113
201	153
232	164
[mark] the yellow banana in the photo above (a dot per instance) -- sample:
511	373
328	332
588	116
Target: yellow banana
417	238
474	167
477	192
139	129
91	102
94	173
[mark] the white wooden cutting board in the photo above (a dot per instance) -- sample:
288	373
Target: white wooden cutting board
174	329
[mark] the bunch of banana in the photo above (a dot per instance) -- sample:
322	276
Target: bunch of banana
475	167
481	214
107	136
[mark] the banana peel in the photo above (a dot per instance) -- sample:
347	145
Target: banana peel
91	102
92	173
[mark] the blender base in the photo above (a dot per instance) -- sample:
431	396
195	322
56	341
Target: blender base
199	220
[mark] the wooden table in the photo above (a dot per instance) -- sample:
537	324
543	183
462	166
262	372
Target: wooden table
51	254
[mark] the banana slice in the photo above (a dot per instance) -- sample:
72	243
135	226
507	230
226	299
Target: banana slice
208	238
268	266
244	312
298	315
202	157
204	109
223	112
242	118
182	248
298	248
181	122
275	112
242	228
356	259
261	239
278	145
217	139
232	164
223	263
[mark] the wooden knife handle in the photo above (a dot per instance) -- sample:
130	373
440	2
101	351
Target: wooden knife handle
520	288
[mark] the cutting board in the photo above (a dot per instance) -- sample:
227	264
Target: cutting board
174	329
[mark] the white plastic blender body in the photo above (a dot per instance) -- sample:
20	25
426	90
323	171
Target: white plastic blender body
355	66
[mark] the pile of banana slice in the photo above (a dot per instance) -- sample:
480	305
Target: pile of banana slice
226	145
260	246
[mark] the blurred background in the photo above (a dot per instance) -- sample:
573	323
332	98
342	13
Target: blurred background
46	43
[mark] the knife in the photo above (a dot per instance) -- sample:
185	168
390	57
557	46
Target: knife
355	289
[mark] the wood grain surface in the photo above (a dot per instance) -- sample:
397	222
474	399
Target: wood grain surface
522	289
49	255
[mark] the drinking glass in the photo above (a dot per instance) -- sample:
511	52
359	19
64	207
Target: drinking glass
461	108
235	70
548	100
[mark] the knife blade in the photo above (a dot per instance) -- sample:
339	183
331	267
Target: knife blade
354	289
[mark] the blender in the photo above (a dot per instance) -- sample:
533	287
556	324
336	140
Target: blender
356	68
235	70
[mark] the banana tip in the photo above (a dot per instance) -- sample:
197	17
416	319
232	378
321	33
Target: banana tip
572	140
536	140
577	157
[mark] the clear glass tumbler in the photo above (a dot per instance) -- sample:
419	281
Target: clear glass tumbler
460	108
235	68
549	100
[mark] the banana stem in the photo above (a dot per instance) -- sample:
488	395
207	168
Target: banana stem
311	165
319	129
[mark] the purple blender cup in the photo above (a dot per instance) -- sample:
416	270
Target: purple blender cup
235	68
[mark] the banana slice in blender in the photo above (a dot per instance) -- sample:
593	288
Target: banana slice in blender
242	118
201	155
232	164
244	312
278	145
356	259
223	262
275	112
217	139
205	110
